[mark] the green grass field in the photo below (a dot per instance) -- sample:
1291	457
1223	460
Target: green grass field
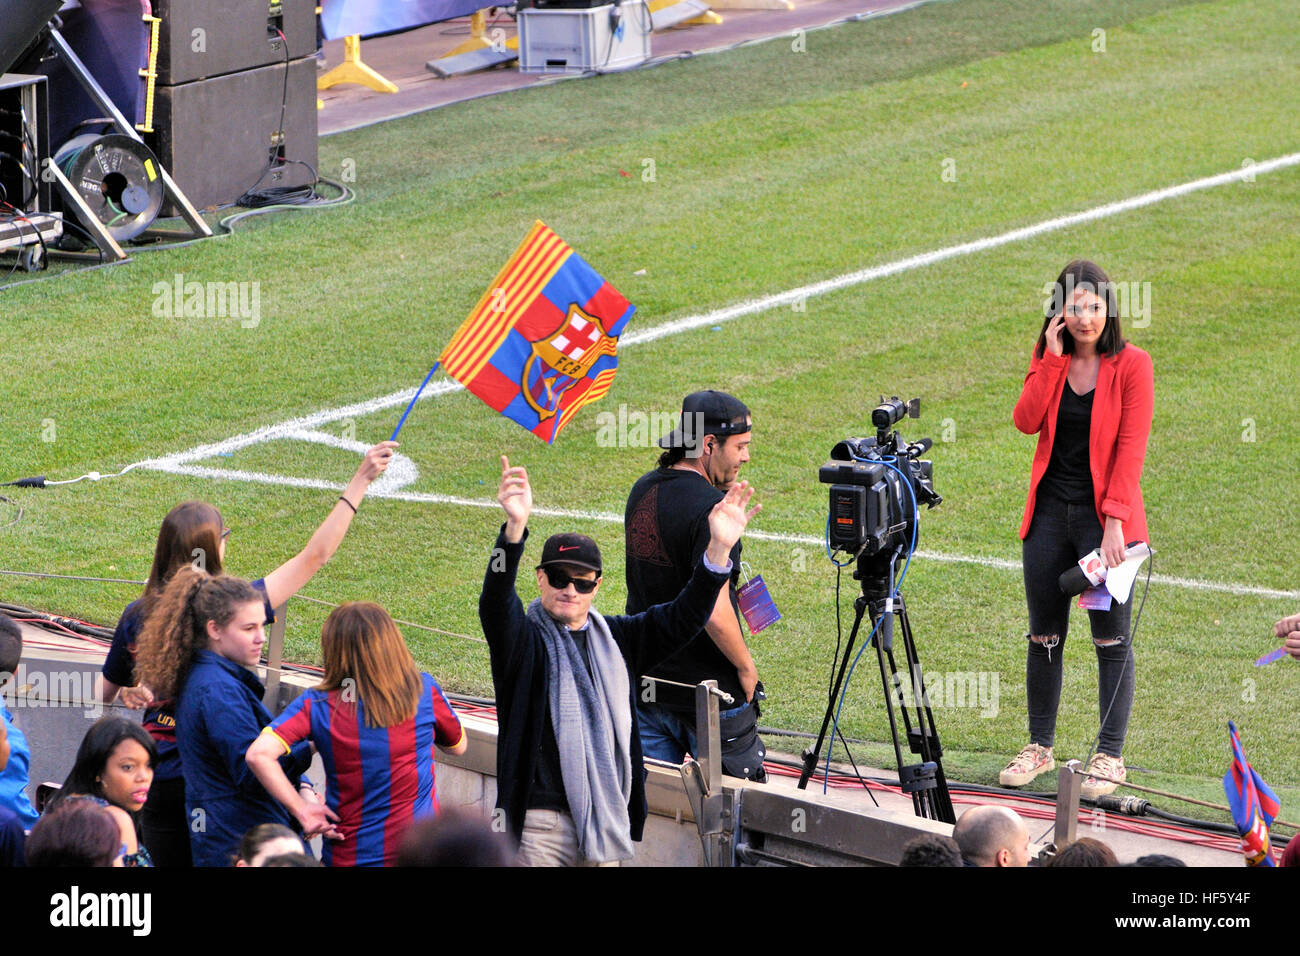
771	169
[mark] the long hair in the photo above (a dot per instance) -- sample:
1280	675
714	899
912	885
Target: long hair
1090	277
96	747
176	629
364	653
671	456
190	534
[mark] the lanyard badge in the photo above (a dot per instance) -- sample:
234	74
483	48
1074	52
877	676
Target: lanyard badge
756	604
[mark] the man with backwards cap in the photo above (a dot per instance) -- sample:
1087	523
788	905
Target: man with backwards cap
666	528
570	778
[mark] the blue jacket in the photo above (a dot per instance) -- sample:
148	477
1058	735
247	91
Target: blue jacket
219	713
13	778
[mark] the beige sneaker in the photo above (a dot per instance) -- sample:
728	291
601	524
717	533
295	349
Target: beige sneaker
1104	765
1027	765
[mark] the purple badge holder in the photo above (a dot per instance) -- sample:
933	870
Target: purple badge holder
756	604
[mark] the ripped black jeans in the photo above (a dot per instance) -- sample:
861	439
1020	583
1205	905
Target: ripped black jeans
1060	534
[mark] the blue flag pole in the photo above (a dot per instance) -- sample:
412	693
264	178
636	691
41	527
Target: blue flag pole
418	391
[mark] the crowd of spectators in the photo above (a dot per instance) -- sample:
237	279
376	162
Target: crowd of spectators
212	778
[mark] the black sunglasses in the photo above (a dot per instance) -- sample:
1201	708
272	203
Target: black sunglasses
560	580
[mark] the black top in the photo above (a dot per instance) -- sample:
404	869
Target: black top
548	782
666	525
519	673
547	791
1069	475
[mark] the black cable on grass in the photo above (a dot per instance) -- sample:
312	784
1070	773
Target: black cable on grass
1206	826
283	195
226	225
81	627
1230	829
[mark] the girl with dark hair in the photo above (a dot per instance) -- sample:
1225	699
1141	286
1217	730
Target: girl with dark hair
1088	396
114	768
374	719
194	534
264	841
199	646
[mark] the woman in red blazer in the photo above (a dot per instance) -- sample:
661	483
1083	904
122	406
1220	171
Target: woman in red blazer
1088	396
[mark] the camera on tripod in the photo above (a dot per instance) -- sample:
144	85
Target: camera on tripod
877	485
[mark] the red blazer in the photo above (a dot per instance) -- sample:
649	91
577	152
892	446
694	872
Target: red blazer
1117	441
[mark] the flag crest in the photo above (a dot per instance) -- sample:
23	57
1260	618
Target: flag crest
542	342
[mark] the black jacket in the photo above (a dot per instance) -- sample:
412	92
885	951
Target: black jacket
519	671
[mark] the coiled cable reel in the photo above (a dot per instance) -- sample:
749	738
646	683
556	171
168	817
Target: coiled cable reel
117	178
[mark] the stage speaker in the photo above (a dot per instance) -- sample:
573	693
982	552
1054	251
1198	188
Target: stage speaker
217	136
21	21
206	38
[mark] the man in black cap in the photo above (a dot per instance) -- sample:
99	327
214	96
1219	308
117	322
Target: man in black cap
570	777
666	528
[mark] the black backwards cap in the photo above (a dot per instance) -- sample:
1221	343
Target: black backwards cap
707	413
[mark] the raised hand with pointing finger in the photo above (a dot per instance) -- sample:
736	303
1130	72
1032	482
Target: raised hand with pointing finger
516	497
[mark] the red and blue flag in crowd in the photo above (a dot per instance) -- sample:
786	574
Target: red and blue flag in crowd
543	340
1253	805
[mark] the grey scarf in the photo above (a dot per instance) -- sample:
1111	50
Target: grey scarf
593	731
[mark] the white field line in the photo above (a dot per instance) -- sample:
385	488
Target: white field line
180	463
1002	564
962	249
727	314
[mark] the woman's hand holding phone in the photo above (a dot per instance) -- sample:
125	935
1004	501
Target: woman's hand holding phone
1055	330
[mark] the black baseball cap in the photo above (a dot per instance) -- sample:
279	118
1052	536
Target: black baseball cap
576	549
707	413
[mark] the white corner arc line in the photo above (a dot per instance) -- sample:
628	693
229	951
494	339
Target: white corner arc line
292	426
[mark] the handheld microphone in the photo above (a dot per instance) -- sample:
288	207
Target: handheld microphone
1092	571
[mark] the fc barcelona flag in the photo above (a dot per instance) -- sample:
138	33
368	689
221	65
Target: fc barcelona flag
1253	805
543	340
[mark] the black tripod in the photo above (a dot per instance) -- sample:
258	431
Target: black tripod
924	781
